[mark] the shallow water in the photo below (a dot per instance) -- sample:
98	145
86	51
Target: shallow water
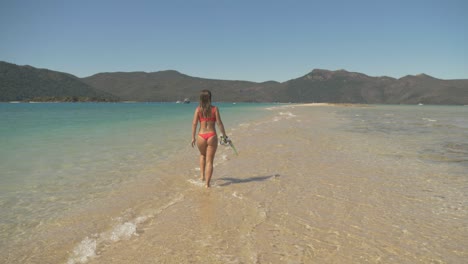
67	169
436	133
309	188
310	185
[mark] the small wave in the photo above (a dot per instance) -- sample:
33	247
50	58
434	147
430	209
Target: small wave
87	248
196	182
271	108
123	231
84	251
283	115
429	120
288	114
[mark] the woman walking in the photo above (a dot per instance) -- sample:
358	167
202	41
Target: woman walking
207	139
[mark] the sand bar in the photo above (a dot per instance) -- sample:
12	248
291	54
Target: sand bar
301	191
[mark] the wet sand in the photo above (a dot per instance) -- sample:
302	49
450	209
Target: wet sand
301	191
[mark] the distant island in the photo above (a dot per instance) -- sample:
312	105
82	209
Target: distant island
26	83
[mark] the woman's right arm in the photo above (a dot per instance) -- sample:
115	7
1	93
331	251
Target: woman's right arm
194	126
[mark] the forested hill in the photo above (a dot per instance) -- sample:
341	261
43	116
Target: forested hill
172	86
22	83
26	83
350	87
317	86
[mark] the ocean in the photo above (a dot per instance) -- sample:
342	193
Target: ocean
60	162
117	183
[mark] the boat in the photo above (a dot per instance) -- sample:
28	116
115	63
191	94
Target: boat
186	101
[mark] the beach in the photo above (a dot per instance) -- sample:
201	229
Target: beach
308	186
299	193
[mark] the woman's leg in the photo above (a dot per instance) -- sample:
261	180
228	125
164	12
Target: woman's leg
212	145
202	167
202	146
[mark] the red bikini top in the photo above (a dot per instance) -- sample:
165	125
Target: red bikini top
213	115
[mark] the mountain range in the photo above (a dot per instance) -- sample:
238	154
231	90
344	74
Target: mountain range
26	83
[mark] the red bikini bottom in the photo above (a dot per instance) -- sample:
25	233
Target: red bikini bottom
208	135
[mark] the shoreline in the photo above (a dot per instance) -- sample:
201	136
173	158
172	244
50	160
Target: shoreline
302	194
305	188
335	104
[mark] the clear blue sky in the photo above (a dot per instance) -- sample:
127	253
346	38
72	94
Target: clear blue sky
238	40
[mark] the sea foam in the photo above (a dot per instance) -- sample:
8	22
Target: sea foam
123	231
196	182
87	248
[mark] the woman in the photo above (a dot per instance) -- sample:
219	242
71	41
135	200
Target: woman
207	140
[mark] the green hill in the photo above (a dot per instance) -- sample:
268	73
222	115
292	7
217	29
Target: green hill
26	83
317	86
23	83
172	86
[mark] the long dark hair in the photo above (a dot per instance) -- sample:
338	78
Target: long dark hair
205	103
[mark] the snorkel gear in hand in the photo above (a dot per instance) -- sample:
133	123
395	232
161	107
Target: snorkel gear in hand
225	141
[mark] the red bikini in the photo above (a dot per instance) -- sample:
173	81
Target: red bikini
212	118
208	135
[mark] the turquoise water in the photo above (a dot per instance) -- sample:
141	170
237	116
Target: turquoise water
73	175
59	158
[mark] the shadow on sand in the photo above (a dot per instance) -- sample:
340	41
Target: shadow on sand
229	180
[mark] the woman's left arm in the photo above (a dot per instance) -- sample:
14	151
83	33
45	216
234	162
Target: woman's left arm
220	122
